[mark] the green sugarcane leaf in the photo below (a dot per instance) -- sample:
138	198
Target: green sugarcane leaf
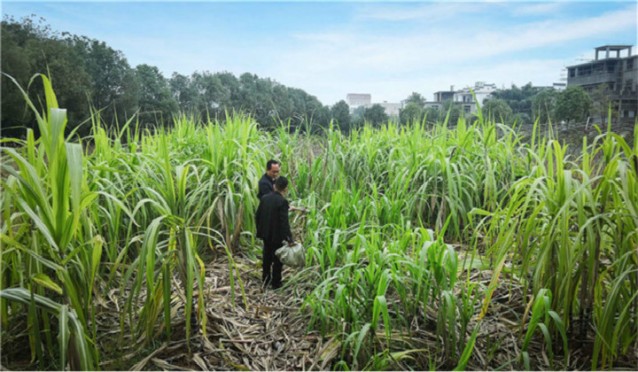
45	281
467	351
63	334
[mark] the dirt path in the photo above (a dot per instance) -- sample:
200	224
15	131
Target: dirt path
262	331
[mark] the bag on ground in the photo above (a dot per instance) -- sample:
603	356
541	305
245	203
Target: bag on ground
293	255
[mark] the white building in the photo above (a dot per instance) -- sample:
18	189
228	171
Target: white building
391	109
482	92
355	100
463	98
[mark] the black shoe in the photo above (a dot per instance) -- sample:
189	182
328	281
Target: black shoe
277	285
194	326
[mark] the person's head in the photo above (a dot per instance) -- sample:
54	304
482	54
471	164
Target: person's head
272	168
281	184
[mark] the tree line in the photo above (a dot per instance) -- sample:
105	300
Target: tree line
94	81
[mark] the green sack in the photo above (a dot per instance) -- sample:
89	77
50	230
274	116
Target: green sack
292	255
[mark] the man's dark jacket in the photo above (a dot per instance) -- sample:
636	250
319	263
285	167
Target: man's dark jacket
266	186
272	220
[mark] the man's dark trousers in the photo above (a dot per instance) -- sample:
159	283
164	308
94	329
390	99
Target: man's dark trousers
271	268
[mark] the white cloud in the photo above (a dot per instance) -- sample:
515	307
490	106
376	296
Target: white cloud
388	50
391	67
538	8
430	11
553	32
396	88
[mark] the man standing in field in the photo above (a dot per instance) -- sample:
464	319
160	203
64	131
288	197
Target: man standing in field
267	181
273	228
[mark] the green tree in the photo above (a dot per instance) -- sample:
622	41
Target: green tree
88	73
451	109
115	89
307	113
518	99
184	92
319	115
497	109
432	114
573	105
254	98
29	48
340	113
517	119
230	83
357	117
601	102
412	112
315	115
157	105
282	103
213	98
16	62
417	99
375	115
544	105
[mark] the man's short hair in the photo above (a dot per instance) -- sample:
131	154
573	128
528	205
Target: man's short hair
270	163
281	183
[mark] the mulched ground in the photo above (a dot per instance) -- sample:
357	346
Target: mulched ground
265	330
258	330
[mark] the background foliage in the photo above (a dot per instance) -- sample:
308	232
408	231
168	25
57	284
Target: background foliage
88	73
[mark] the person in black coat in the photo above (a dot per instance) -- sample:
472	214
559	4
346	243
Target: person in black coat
273	228
267	181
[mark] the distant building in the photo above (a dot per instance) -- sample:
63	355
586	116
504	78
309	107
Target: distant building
444	95
463	98
434	105
355	100
616	73
391	109
559	86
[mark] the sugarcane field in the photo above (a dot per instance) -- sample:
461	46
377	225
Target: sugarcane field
465	246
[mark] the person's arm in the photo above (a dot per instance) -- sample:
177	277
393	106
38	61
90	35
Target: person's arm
284	223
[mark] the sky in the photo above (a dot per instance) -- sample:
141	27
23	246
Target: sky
329	49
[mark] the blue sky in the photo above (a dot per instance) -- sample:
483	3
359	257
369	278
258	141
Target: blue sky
329	49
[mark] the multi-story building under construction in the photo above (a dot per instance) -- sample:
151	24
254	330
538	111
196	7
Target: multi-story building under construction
613	72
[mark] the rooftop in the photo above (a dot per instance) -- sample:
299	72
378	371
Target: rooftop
614	48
